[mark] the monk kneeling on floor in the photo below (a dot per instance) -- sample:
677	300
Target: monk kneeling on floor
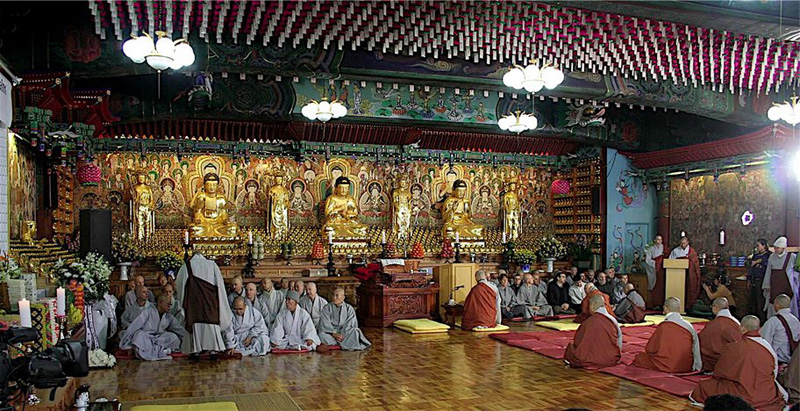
591	290
674	346
482	306
721	331
747	368
598	341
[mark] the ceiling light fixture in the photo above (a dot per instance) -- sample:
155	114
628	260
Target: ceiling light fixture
161	54
324	110
518	122
788	111
532	78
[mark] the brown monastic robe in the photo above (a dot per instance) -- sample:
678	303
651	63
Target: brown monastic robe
480	308
716	335
596	343
790	378
746	369
668	350
585	311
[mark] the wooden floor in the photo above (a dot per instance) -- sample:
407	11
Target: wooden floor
458	370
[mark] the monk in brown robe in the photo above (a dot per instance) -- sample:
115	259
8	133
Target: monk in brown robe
585	311
482	306
790	378
598	341
693	276
746	369
721	331
674	346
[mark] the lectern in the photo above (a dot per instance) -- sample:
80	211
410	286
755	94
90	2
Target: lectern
675	284
449	276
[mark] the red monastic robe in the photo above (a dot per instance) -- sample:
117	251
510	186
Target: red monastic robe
668	350
716	335
746	369
585	311
694	279
480	308
595	344
657	296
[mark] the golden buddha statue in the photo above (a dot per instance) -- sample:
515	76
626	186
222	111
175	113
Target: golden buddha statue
210	216
143	203
341	214
278	209
401	209
29	232
511	211
456	216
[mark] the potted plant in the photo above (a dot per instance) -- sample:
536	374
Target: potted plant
550	249
581	253
524	259
10	279
125	254
170	262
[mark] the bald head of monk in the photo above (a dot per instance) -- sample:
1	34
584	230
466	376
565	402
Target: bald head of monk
588	287
750	323
138	280
782	301
338	296
237	284
528	279
311	290
164	303
266	284
238	306
251	291
596	302
719	304
628	287
480	275
672	305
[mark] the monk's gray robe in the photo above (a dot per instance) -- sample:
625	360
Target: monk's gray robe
131	312
258	305
313	307
341	320
291	330
153	336
251	324
275	300
532	295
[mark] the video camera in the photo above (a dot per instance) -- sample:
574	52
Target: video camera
48	369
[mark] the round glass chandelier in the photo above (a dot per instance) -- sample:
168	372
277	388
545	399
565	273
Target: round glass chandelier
518	122
532	78
324	110
161	54
788	111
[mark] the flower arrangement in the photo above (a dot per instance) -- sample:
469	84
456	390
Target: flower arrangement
550	247
100	359
124	250
169	261
524	257
9	269
93	271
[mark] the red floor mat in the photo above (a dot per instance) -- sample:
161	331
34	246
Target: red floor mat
532	345
671	384
555	352
527	335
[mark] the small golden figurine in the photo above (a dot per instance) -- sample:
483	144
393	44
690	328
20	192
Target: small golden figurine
401	209
341	214
278	209
511	211
456	216
210	216
142	205
29	232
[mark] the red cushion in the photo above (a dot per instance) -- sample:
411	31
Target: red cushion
279	351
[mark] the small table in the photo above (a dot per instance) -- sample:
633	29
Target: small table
451	312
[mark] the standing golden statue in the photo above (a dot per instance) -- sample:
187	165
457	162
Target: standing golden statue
143	202
29	232
210	216
401	209
341	214
456	216
511	211
278	209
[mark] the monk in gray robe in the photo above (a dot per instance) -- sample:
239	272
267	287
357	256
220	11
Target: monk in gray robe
509	307
338	325
175	308
201	289
248	333
274	299
252	300
293	328
130	296
533	298
625	310
237	289
139	305
155	333
312	302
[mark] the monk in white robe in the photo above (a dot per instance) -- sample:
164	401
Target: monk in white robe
274	299
533	298
237	289
338	325
774	330
130	296
674	346
248	333
723	330
139	305
201	289
312	302
175	308
252	300
781	278
293	328
155	333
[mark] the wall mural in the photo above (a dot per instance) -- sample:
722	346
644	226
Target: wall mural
631	193
175	182
21	188
702	207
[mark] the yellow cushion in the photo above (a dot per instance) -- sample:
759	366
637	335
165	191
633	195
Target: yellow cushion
498	327
422	324
413	331
658	319
206	406
568	325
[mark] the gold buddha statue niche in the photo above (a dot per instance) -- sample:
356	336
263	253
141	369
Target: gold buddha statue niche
210	213
457	217
341	214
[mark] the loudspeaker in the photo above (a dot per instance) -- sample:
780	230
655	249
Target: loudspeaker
596	203
96	232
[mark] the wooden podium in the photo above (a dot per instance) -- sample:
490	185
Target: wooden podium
449	276
675	283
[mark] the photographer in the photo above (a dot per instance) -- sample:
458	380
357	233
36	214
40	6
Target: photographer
718	288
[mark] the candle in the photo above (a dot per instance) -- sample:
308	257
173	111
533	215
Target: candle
24	313
683	234
61	302
250	237
383	237
721	237
457	237
186	237
330	237
504	237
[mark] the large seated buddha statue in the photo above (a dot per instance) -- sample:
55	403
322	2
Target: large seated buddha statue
341	214
456	215
210	216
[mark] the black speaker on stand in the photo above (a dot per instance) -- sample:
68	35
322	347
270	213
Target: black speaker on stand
596	201
96	232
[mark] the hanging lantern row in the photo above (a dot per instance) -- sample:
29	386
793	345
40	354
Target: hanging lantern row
160	55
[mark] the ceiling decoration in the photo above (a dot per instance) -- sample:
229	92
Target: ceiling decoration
508	32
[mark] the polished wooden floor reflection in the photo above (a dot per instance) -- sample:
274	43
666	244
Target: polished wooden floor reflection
458	370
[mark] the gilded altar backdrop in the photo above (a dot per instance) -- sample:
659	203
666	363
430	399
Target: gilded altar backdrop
21	187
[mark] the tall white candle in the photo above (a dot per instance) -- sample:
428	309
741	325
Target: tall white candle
504	237
330	237
721	237
457	237
383	237
186	237
250	237
683	234
24	313
61	302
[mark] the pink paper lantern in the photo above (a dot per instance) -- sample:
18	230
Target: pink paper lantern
560	187
89	175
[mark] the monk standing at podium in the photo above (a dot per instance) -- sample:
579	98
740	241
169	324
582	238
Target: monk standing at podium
654	265
674	346
598	341
694	279
482	306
